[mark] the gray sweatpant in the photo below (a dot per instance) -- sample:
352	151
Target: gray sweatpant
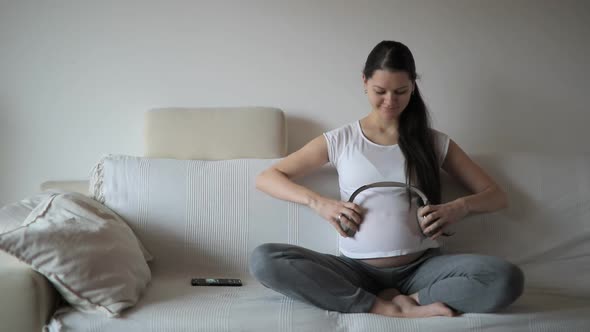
464	282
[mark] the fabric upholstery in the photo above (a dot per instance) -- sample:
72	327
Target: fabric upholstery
203	218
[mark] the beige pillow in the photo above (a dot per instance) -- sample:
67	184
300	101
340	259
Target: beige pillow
86	251
12	215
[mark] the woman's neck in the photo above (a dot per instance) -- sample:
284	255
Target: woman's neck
380	125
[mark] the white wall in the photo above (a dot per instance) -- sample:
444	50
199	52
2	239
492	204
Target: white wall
76	76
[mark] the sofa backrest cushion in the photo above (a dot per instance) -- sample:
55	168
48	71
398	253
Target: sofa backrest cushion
215	133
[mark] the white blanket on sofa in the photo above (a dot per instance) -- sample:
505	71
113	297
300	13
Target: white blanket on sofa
203	218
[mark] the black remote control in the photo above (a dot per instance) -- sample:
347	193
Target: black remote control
215	282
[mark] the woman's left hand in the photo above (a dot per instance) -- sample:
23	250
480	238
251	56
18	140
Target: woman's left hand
435	218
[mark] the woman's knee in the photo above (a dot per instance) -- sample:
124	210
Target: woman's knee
511	281
263	263
507	286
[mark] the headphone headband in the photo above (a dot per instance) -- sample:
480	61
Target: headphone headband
390	184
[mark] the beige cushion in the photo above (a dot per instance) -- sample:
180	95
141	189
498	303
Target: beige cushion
215	133
89	254
12	215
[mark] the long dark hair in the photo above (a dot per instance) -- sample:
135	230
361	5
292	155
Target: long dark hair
416	138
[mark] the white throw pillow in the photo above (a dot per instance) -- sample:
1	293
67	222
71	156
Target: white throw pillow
86	251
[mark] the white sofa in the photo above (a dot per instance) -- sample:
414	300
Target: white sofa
203	218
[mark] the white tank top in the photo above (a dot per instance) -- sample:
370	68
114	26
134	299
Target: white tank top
388	228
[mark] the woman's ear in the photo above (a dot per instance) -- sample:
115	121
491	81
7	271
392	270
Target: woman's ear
364	82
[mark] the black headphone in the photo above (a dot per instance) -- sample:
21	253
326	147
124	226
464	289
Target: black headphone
421	202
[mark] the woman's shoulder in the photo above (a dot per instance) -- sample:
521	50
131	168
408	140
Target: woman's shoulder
441	142
439	135
437	132
348	127
338	139
345	131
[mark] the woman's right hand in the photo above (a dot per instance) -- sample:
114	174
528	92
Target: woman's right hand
330	209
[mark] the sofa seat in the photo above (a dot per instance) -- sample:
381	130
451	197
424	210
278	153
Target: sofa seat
172	304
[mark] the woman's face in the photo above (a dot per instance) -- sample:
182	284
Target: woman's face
389	92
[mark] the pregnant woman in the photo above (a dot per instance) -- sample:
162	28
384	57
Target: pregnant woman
389	264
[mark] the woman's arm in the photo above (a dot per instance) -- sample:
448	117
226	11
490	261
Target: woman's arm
277	182
487	195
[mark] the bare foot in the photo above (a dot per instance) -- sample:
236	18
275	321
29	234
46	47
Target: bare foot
416	298
405	306
388	294
411	308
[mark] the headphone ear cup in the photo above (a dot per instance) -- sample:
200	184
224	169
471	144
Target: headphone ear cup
349	231
420	202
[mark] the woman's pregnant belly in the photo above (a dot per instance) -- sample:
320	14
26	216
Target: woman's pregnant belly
389	234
